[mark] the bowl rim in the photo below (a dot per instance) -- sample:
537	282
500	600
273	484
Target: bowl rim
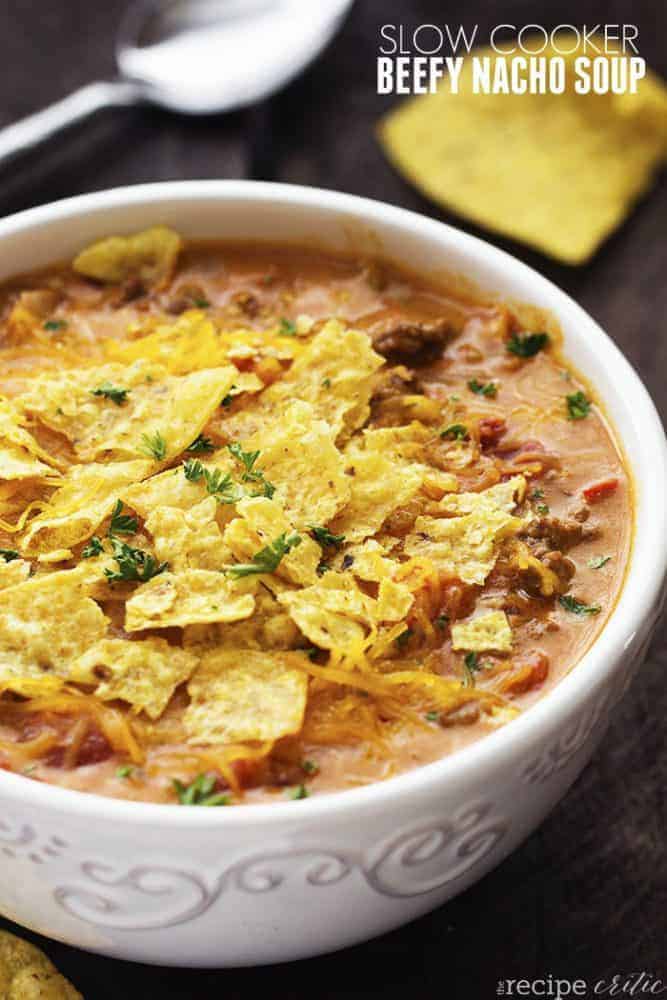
635	605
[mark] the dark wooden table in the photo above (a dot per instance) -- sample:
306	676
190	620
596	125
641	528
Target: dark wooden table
586	896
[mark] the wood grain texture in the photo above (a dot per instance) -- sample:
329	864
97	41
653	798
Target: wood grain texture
586	896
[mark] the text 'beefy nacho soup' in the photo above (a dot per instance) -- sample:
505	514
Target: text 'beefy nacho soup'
275	523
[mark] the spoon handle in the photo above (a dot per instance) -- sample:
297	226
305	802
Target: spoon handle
29	132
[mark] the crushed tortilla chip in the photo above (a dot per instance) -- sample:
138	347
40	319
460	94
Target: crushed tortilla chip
172	409
188	539
504	496
145	674
465	548
45	624
535	167
379	485
335	614
334	373
245	694
18	448
269	628
261	521
187	598
86	496
27	974
489	631
13	572
150	256
299	457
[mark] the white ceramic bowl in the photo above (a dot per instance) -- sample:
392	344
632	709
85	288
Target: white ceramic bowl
253	884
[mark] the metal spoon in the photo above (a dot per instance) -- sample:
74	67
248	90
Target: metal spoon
195	57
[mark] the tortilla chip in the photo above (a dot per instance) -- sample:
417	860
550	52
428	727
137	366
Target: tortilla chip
504	496
299	457
379	485
533	167
27	974
46	623
174	407
269	628
144	673
86	497
261	521
393	603
488	631
150	256
18	448
191	597
189	539
335	614
244	694
464	548
13	572
334	373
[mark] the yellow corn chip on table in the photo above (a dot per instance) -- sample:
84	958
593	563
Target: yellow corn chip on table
556	171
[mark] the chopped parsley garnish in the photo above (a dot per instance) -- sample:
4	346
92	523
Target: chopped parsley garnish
300	792
153	445
541	508
134	565
193	469
597	562
9	555
405	636
201	303
124	771
576	607
268	559
122	524
310	767
201	445
326	382
578	405
482	388
112	392
471	666
442	621
55	324
229	398
432	716
287	327
221	486
527	345
325	538
218	483
251	474
200	792
455	432
93	548
322	568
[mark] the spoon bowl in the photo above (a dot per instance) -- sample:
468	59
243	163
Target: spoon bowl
206	56
194	57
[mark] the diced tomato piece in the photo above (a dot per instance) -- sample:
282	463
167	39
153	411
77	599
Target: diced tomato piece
600	491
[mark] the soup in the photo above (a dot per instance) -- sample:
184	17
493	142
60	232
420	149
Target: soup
276	522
